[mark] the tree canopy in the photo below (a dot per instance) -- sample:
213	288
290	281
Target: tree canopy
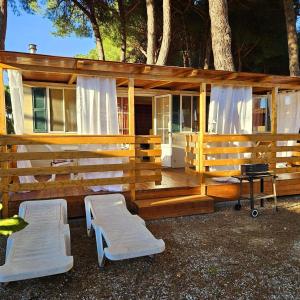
177	32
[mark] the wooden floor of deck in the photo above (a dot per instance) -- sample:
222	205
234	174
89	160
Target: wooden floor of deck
175	185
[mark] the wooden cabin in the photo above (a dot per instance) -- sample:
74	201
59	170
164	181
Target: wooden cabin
163	120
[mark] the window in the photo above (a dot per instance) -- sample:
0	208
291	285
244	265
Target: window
70	110
189	113
176	113
39	106
56	105
123	115
186	115
54	110
261	114
195	114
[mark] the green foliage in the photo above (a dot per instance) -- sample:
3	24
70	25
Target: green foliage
67	19
259	42
9	117
29	6
112	51
11	225
92	54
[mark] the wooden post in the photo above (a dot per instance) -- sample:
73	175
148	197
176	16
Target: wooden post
202	127
132	132
131	106
274	124
187	151
274	110
2	105
5	165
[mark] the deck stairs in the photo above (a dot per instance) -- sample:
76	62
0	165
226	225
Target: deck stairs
172	202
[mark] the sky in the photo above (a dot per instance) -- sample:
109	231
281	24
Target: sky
26	28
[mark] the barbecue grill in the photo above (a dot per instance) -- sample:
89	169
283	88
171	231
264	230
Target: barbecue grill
250	173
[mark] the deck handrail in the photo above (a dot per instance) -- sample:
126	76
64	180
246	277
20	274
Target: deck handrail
135	169
261	148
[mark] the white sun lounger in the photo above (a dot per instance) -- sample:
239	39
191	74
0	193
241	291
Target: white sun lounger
40	249
125	235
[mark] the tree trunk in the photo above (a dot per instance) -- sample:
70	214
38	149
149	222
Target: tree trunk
291	37
122	30
220	35
151	32
187	60
89	11
98	39
97	34
3	23
166	40
207	57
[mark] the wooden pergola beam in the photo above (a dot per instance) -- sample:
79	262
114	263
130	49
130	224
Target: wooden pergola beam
194	73
199	79
147	69
124	81
155	84
185	86
6	67
72	79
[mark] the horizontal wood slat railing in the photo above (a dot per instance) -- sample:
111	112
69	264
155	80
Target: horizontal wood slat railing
141	165
259	148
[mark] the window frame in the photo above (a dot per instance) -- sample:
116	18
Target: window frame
122	113
47	101
268	113
49	111
181	112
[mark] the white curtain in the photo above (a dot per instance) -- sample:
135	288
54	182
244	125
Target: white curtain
17	102
288	117
97	113
230	112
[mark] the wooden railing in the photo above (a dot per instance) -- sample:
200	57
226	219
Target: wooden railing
253	148
133	167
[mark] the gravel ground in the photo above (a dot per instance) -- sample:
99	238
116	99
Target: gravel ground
225	255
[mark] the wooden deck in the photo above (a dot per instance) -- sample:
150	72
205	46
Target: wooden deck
179	194
175	185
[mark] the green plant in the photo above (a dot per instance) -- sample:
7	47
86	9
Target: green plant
11	225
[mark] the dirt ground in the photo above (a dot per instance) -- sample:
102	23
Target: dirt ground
225	255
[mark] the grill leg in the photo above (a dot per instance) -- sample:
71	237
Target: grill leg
251	194
274	192
241	187
262	204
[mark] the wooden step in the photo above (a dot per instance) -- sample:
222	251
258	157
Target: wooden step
168	192
174	206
